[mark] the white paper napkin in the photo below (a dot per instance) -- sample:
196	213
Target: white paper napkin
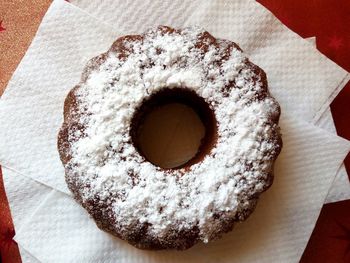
31	108
301	79
59	230
25	195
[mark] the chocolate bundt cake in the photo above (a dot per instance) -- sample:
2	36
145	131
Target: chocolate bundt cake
148	206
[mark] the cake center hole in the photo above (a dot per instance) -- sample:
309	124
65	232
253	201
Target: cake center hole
174	128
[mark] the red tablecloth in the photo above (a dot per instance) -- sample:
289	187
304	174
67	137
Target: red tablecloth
328	20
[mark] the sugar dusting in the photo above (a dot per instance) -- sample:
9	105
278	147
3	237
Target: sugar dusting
225	183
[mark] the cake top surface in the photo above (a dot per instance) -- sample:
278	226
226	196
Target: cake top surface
108	166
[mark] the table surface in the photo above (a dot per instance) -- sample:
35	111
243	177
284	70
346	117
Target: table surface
327	20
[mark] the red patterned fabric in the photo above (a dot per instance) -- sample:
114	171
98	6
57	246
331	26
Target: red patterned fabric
8	248
329	21
330	241
1	27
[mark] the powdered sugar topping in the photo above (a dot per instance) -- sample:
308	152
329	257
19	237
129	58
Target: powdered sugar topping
224	185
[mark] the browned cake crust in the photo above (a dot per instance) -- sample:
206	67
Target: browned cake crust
138	234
